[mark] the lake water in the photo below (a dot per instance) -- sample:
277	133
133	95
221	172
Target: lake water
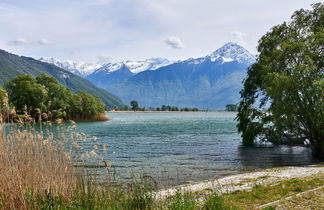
176	148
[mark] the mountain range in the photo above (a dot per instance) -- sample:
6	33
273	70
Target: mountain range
12	65
208	82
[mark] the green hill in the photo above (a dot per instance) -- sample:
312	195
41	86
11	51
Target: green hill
12	65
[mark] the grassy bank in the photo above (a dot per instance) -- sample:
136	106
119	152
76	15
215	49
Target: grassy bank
37	172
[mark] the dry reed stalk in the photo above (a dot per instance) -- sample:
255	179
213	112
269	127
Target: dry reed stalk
33	162
101	117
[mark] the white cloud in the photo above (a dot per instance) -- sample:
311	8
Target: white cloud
42	41
104	59
137	29
174	42
16	42
239	37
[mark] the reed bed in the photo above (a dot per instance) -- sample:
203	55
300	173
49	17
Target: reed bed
31	165
47	168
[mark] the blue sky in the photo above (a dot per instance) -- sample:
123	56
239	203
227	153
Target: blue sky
114	30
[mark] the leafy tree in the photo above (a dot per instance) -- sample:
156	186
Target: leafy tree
134	105
231	107
24	90
91	105
46	95
58	96
288	81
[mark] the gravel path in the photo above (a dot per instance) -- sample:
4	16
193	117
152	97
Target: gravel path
244	181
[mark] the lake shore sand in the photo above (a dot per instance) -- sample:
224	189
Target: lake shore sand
245	181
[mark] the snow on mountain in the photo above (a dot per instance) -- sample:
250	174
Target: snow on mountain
232	52
227	53
85	69
148	64
79	68
137	66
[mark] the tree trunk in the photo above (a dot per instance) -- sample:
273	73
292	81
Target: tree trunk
317	147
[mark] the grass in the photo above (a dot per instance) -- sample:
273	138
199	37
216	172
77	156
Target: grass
262	194
311	200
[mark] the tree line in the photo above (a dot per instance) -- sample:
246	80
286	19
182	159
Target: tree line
134	106
26	98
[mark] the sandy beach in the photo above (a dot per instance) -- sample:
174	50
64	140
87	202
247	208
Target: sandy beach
245	181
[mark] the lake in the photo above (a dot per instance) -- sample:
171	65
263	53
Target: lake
176	148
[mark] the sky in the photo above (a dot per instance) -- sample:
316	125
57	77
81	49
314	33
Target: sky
115	30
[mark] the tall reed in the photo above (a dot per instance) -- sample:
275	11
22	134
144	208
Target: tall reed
32	165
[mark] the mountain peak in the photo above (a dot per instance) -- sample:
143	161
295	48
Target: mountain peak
78	68
232	52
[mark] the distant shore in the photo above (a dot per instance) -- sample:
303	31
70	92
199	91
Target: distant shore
170	112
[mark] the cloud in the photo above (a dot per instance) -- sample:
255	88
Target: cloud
17	42
238	34
174	42
104	59
239	37
42	41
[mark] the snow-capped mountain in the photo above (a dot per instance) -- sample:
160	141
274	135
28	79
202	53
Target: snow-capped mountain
84	69
208	82
113	73
148	64
136	66
232	52
79	68
227	53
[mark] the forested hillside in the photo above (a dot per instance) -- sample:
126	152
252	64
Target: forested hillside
12	65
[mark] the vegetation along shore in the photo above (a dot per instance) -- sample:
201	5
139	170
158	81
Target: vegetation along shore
43	99
52	166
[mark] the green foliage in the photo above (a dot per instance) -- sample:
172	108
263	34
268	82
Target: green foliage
25	91
134	105
215	202
183	201
90	105
46	94
231	107
3	99
288	79
12	66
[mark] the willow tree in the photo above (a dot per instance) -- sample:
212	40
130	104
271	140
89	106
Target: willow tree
284	90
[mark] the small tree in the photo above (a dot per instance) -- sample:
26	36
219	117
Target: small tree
231	107
134	105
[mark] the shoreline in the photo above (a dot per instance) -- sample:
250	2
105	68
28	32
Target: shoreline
170	112
245	181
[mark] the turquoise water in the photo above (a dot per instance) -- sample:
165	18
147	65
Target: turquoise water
176	148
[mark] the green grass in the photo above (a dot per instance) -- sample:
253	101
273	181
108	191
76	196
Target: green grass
262	194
